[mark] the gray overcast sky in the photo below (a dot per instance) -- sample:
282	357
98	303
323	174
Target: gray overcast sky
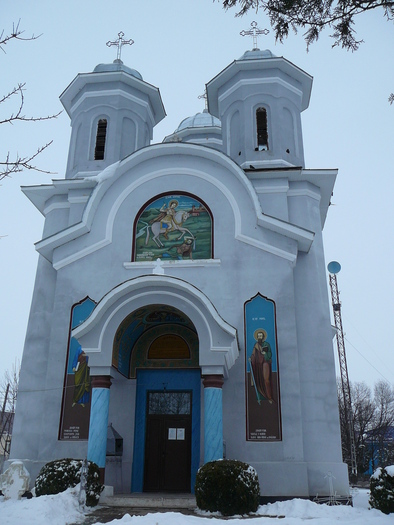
179	46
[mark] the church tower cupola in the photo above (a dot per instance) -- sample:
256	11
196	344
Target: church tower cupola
259	99
113	112
201	128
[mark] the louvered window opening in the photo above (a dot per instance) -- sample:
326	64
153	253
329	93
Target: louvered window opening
262	129
100	140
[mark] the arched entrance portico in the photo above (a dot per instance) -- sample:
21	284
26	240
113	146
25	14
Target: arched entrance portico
217	351
157	345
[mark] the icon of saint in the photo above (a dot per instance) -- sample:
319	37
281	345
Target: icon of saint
261	366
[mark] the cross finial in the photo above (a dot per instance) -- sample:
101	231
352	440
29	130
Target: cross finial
205	97
119	43
254	31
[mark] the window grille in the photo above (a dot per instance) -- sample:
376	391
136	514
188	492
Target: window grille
100	139
262	129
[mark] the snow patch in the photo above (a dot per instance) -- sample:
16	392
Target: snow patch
63	509
106	174
59	509
390	470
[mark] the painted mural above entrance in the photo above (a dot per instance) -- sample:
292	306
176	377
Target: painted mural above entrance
155	336
175	226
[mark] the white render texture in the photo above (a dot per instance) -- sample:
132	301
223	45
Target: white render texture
268	222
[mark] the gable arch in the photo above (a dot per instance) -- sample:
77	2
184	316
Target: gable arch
218	344
153	169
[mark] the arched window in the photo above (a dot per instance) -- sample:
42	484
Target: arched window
100	139
262	129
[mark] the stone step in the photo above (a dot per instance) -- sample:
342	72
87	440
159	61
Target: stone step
150	501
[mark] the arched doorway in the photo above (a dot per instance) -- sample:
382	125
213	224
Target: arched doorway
158	345
109	342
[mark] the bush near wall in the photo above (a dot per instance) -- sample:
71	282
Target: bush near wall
228	486
382	489
59	475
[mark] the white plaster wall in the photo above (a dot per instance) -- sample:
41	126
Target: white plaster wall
93	263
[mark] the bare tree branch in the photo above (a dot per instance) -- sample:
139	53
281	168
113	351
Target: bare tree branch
16	34
373	415
8	395
18	90
19	162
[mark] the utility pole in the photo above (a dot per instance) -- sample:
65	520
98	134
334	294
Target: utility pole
4	406
3	432
334	268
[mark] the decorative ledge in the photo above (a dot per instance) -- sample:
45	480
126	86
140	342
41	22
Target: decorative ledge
158	265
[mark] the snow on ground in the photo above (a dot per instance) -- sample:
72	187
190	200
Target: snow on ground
62	509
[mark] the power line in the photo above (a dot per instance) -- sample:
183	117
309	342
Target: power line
30	391
363	356
368	344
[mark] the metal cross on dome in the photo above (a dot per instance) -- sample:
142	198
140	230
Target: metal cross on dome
205	97
119	43
254	31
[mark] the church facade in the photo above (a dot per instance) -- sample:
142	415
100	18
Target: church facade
180	312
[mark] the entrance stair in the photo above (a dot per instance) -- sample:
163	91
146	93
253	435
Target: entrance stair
155	501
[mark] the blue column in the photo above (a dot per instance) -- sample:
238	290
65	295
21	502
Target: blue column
97	444
213	418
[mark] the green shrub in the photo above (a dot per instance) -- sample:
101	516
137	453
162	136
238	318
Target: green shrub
61	474
382	489
228	486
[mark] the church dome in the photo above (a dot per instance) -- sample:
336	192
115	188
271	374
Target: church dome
202	128
257	54
199	120
117	65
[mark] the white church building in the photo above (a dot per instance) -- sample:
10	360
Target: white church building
180	312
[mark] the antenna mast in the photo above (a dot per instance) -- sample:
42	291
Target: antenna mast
334	267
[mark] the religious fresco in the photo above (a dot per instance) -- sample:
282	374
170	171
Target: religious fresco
74	422
173	227
155	336
263	414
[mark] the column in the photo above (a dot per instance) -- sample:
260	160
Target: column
213	417
97	444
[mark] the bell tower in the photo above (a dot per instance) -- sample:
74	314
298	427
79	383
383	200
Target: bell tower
259	99
113	112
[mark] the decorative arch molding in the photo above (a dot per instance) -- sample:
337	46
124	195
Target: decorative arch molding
77	150
290	119
233	138
223	183
218	343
